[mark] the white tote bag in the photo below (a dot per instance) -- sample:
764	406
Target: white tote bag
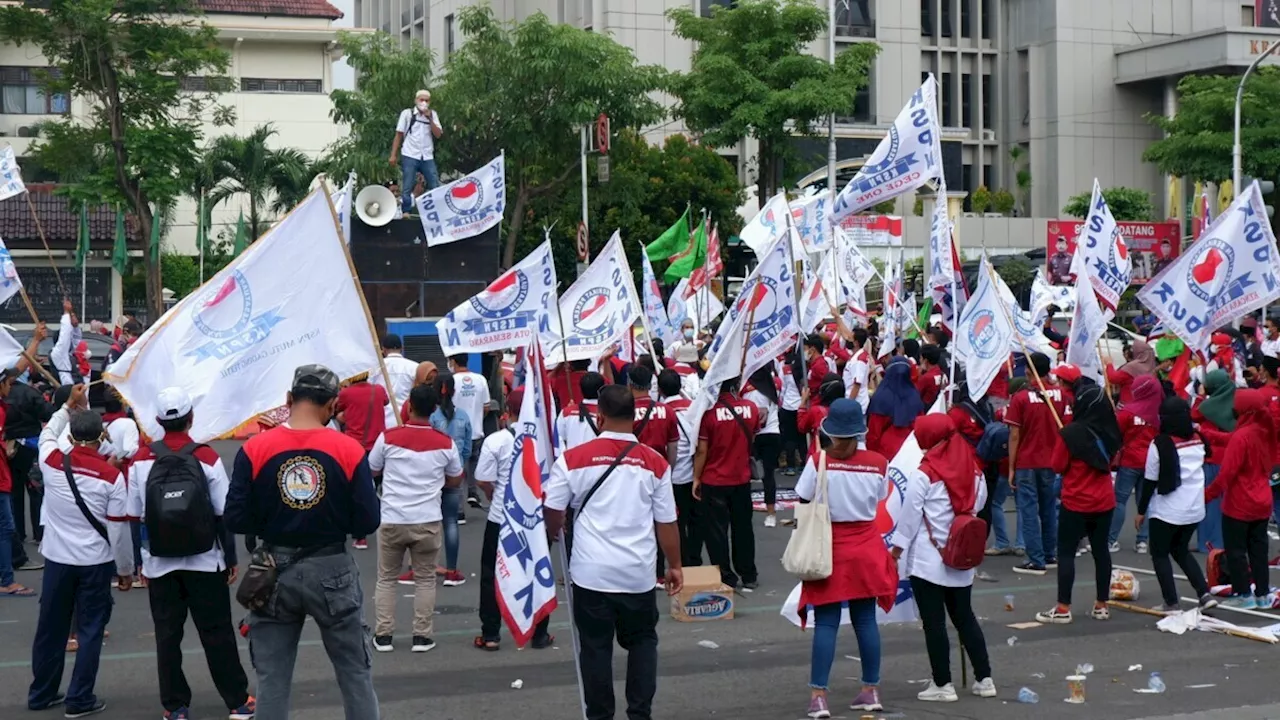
808	553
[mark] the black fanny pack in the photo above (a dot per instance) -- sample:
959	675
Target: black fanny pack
260	579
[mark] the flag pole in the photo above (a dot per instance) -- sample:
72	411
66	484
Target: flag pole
44	241
202	235
1025	352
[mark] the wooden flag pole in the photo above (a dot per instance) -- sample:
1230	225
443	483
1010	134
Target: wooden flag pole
1025	352
44	241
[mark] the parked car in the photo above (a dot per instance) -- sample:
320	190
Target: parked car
99	348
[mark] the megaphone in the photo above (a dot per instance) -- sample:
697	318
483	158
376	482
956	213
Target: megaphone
375	205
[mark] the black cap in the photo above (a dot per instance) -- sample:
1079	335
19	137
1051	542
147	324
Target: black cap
315	377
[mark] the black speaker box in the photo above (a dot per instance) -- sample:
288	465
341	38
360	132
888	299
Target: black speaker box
473	259
397	252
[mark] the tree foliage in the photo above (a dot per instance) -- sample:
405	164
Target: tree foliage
271	179
1126	204
753	75
525	89
125	61
1199	137
387	76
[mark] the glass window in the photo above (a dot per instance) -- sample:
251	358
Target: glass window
944	22
986	19
966	184
13	99
706	7
59	104
926	18
448	35
948	101
986	101
966	100
988	176
854	18
965	19
277	85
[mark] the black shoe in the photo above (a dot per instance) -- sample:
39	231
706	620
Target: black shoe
94	709
462	518
55	702
382	643
542	642
423	644
1051	563
750	586
473	501
1029	568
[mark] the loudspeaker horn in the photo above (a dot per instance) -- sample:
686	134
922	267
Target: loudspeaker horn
375	205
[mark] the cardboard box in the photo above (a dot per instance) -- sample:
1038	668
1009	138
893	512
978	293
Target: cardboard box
703	597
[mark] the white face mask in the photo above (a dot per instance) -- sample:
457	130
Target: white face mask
422	105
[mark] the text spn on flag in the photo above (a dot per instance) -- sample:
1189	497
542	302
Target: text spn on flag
507	313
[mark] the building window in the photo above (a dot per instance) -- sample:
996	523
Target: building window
21	94
966	100
948	102
965	19
986	101
944	21
966	184
204	83
862	111
588	14
988	176
926	18
275	85
854	18
448	35
986	18
706	7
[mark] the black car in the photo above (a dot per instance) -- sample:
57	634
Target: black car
99	348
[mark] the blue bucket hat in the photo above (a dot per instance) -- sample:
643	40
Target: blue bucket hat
845	419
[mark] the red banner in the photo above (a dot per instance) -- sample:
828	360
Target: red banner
1152	245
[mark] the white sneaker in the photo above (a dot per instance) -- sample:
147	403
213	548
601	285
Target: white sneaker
1142	548
1114	547
984	688
770	521
933	693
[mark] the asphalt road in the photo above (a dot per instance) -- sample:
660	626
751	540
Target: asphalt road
759	671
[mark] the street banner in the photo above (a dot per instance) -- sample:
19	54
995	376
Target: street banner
1044	295
524	578
10	283
809	218
598	309
507	313
1151	247
234	343
1229	272
1088	324
984	335
712	268
465	207
10	174
655	313
767	226
873	230
905	160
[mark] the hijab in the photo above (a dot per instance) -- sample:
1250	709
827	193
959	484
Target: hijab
831	389
1219	407
1093	435
980	410
1175	425
949	459
1147	394
897	398
1143	362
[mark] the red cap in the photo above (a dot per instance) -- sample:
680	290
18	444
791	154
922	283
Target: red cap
1220	339
1066	372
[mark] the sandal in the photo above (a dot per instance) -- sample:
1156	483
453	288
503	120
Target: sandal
16	590
543	642
487	645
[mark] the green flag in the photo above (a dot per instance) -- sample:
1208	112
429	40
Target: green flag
155	234
120	253
922	318
691	258
82	238
242	237
670	242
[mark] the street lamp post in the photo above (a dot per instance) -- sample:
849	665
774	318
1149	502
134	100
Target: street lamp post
1237	151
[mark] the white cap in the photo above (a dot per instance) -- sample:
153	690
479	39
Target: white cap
173	403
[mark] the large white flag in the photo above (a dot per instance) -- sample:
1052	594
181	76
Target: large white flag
809	218
702	307
342	203
905	160
1232	270
10	174
508	313
984	334
817	301
1088	324
1110	269
767	226
291	299
465	207
10	283
597	310
1027	334
655	313
768	303
1044	295
526	583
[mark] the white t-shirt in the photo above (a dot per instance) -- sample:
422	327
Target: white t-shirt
614	548
855	485
471	394
573	430
790	398
1184	506
414	461
419	142
1271	348
494	466
400	372
855	371
682	471
122	439
929	501
768	412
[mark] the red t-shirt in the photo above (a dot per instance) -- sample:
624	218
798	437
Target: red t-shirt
659	429
1273	404
818	369
1085	489
809	422
930	385
567	386
355	403
884	437
728	447
1000	385
1137	439
1039	437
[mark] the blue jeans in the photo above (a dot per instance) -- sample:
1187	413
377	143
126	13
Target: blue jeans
82	593
1128	480
1038	512
8	536
826	625
409	169
999	525
450	505
1210	530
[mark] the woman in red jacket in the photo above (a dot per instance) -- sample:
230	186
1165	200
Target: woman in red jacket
814	412
1215	417
894	407
1244	486
1139	419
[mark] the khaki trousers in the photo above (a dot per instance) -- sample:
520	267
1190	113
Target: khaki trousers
423	541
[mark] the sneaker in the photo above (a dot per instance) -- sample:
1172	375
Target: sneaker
985	688
1208	602
750	586
1051	563
473	500
360	544
453	578
1086	548
933	693
30	565
818	707
1053	616
1020	552
462	519
1029	568
245	711
770	521
1240	602
382	643
1166	608
181	713
790	472
1113	547
1100	613
868	701
93	709
996	552
406	579
660	584
57	700
985	576
423	644
1141	548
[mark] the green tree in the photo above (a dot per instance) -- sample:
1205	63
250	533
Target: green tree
1126	204
273	180
126	63
526	89
753	76
387	76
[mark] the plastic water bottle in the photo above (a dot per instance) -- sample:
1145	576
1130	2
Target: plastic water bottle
1156	683
1028	696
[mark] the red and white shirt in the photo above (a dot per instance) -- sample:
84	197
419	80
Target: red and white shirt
856	371
414	461
655	424
790	398
855	485
1137	439
729	440
614	547
1038	437
682	471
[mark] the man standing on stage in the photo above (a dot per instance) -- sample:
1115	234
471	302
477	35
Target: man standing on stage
415	146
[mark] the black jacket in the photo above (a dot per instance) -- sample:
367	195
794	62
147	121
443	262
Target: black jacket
26	412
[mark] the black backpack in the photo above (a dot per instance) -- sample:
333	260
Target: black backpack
179	510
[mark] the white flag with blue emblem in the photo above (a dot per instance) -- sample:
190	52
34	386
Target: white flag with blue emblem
655	313
767	226
768	302
809	217
10	283
234	343
10	174
1027	334
342	203
465	207
907	158
1232	270
507	313
702	307
1109	266
984	334
1088	324
1044	295
597	310
526	583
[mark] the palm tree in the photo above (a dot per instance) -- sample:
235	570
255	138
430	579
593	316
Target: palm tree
270	178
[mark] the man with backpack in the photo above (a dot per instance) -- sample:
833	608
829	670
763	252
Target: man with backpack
179	490
415	146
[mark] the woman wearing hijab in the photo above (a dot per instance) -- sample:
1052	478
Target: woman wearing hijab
893	409
1216	417
1222	356
810	422
947	482
863	574
1083	460
1244	486
1173	497
762	391
1139	419
1142	362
